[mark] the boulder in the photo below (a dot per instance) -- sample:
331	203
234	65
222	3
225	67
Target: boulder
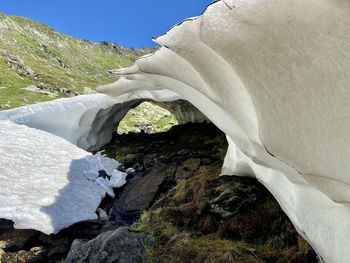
120	246
139	194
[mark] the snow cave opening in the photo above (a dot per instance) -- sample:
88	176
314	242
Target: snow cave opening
147	117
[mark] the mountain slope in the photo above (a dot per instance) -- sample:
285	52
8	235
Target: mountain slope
38	64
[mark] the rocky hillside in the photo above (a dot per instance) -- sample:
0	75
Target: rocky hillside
38	64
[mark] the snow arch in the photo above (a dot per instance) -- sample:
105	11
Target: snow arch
274	76
88	121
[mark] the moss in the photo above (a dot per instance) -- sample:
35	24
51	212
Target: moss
187	229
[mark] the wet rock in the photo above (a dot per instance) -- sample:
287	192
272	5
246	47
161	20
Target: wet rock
140	193
113	246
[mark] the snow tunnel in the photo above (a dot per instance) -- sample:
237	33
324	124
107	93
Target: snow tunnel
273	76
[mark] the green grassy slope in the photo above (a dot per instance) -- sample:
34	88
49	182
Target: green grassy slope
31	53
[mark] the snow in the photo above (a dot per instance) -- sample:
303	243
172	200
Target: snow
118	179
42	179
88	121
274	76
68	118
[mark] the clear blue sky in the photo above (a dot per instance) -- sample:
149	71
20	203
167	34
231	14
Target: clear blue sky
131	23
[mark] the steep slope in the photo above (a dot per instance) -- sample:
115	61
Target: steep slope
38	64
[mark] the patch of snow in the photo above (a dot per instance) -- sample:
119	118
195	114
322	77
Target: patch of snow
117	179
130	170
42	180
105	185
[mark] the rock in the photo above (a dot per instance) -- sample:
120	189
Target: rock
33	256
187	169
62	64
231	195
13	240
192	164
183	152
58	247
120	246
131	159
35	89
2	253
102	215
206	161
149	159
5	225
140	193
17	64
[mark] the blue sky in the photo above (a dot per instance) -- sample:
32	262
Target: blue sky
131	23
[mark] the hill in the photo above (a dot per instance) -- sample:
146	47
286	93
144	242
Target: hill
39	64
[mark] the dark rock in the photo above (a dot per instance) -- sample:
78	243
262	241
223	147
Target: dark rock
131	159
34	255
120	246
149	159
140	149
183	152
187	169
140	193
5	225
17	239
206	161
58	247
230	195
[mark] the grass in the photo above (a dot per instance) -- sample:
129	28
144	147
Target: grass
146	113
43	50
186	231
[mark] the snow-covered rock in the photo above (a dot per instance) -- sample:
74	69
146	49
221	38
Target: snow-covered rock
42	179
